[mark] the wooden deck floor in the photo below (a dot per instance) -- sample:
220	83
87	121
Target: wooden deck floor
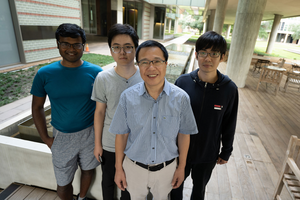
265	124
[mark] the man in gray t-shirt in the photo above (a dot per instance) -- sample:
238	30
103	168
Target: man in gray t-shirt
108	86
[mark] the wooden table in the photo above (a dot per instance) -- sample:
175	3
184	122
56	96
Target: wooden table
271	74
260	58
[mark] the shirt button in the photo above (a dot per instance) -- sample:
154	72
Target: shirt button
153	148
153	117
126	81
153	132
152	160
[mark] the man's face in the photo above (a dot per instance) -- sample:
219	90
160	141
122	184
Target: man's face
119	45
70	54
153	74
208	63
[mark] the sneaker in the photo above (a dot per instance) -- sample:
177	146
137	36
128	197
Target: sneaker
85	198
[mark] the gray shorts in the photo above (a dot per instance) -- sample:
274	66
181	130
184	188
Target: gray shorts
70	150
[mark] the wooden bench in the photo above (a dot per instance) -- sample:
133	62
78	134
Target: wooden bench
293	78
290	173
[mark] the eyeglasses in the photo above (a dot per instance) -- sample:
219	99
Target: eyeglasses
213	54
66	45
156	63
117	49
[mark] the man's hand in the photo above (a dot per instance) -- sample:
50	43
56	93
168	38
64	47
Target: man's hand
49	141
120	179
98	151
220	161
178	178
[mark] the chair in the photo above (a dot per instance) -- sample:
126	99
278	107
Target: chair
290	173
259	64
272	76
292	78
279	63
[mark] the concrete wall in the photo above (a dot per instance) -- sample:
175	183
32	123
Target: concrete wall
45	13
31	163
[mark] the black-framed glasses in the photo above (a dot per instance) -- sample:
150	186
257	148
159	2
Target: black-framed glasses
117	49
66	45
156	63
212	54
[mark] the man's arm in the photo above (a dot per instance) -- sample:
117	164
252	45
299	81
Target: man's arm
98	126
39	119
183	147
120	143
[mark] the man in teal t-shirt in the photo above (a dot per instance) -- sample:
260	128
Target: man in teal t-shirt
68	84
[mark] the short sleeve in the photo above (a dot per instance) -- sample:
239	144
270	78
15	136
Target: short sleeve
119	123
38	86
99	92
187	120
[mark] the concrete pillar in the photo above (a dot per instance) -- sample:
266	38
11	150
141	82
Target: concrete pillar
204	27
247	22
120	11
286	37
228	31
170	24
220	16
211	19
273	33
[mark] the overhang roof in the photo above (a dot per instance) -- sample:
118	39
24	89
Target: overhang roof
287	8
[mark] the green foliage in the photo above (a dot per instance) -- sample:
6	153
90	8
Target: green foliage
296	29
194	21
17	84
264	27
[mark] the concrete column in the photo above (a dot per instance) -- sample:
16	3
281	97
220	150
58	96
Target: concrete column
220	16
176	20
228	31
211	19
286	37
120	11
170	23
247	22
273	33
204	27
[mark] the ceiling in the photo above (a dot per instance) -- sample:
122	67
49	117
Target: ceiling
287	8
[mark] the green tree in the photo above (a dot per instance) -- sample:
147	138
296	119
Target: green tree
193	21
296	29
264	27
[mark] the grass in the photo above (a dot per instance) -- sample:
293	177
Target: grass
17	84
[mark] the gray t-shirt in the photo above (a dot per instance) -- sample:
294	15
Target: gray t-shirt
107	89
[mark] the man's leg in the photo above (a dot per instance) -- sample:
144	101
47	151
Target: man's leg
65	192
177	194
108	174
201	174
85	181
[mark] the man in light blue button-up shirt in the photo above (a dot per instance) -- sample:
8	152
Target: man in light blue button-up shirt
152	123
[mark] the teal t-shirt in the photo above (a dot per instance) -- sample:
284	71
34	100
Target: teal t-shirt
69	91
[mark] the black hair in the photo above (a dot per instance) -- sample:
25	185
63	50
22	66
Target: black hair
70	30
212	40
151	43
118	29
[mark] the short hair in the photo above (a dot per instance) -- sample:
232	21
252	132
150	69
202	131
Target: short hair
126	29
212	40
70	30
151	43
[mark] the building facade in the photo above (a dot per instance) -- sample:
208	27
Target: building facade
27	27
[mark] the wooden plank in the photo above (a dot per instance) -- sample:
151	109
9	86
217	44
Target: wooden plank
223	183
36	194
236	190
21	193
49	195
261	149
265	178
211	196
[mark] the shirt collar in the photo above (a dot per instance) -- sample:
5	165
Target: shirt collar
166	88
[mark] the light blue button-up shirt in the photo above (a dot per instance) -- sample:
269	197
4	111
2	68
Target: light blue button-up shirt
153	125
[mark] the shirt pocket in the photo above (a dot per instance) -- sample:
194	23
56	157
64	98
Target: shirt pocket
169	127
